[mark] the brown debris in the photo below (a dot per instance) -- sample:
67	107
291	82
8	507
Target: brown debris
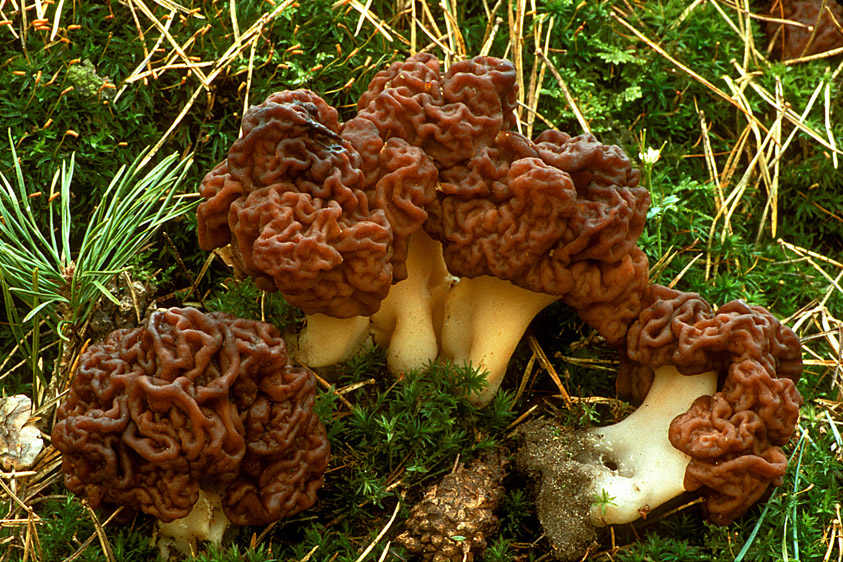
20	440
556	460
456	516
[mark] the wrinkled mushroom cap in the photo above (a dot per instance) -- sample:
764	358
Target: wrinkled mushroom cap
559	216
817	34
319	212
157	412
448	116
734	437
290	199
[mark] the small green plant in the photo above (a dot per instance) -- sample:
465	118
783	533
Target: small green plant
515	513
604	500
408	431
242	298
57	282
235	554
499	551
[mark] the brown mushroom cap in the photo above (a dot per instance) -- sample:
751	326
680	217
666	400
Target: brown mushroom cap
449	116
559	216
219	190
413	120
735	436
291	194
324	258
155	413
817	34
400	180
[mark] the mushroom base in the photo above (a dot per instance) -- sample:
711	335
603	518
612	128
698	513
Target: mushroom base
484	319
583	480
206	522
639	467
408	324
326	340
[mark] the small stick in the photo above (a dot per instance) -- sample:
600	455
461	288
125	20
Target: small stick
711	164
133	295
332	389
363	15
803	251
98	527
248	81
789	114
516	35
383	532
809	58
56	20
682	273
541	117
232	4
522	417
147	53
831	140
580	118
193	287
545	362
528	373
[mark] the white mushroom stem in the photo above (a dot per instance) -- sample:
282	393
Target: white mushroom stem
407	323
485	318
646	470
206	522
326	340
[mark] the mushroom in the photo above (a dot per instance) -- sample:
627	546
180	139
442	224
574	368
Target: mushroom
720	403
307	215
289	200
193	402
820	29
518	223
524	224
449	117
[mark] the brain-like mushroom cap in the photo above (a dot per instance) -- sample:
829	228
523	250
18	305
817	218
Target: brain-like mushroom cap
560	216
192	399
291	192
735	436
399	179
275	145
817	34
448	116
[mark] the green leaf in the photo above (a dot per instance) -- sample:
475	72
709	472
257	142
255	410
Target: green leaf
618	56
105	292
38	309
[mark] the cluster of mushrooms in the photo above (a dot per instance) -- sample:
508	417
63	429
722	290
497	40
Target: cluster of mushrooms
428	223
